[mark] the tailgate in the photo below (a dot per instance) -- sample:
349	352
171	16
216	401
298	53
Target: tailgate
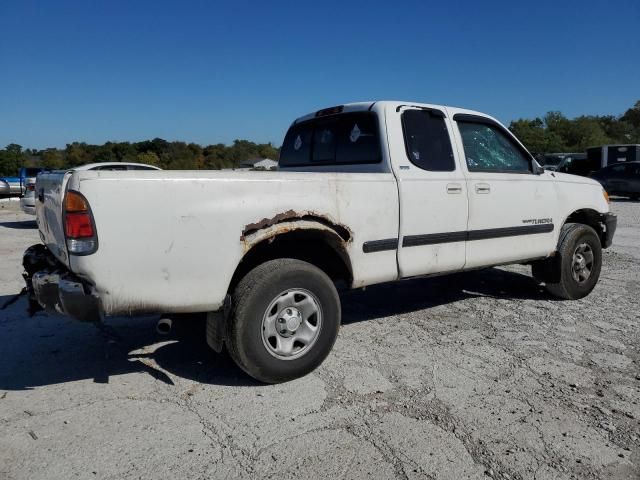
50	189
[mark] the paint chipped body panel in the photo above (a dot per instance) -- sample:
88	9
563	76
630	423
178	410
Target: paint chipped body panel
171	241
178	252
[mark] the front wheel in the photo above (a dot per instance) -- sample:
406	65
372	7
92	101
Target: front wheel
577	265
284	320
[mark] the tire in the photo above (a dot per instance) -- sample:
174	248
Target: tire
262	336
575	243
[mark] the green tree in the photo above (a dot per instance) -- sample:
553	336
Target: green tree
632	115
149	158
11	159
532	133
584	132
52	159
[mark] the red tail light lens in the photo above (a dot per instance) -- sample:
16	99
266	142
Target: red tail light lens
31	187
78	225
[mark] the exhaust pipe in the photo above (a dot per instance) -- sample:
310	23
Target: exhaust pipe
163	326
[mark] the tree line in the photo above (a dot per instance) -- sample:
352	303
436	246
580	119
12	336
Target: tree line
159	152
556	133
552	133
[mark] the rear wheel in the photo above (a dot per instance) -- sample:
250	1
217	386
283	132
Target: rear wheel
284	321
575	270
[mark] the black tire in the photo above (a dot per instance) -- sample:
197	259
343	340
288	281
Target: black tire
250	301
573	237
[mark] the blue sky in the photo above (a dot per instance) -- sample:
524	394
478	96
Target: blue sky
211	72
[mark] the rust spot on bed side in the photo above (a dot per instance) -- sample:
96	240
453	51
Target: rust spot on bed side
291	215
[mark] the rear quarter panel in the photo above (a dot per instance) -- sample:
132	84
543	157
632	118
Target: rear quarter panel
171	241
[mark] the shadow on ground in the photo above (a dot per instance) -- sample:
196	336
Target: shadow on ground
50	349
23	225
624	200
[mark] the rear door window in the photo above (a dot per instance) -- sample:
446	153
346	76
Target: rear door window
349	138
427	141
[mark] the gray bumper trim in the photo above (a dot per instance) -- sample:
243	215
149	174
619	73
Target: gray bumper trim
66	295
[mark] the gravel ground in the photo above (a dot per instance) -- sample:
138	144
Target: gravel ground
474	375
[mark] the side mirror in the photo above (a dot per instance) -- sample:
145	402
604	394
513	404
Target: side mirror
537	169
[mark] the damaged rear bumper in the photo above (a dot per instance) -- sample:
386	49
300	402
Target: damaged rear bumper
52	287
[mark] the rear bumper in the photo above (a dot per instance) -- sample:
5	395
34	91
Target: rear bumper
610	222
55	289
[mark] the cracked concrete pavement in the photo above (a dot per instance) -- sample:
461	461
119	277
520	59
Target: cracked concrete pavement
475	375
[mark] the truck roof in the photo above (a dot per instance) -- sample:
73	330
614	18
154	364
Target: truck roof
382	104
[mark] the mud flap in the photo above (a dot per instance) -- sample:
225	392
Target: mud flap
216	330
547	270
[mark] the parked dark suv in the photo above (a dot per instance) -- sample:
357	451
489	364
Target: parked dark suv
621	179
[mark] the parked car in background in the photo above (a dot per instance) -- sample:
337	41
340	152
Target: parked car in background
622	179
553	161
9	186
604	155
28	201
29	173
117	166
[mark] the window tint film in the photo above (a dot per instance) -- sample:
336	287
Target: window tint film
487	149
296	147
324	142
350	138
358	140
427	141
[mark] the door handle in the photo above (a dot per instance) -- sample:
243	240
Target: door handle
483	188
454	188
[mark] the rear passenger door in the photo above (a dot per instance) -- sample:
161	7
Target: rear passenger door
433	193
512	210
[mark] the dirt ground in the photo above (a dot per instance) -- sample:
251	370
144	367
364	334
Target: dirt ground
475	375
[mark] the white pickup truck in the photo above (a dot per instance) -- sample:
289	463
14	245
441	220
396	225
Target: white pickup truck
365	193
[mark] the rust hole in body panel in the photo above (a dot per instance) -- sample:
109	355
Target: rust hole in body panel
291	215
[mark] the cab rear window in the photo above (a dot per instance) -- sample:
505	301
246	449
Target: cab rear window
349	138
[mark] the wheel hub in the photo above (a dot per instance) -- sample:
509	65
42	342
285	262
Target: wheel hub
291	323
289	320
582	263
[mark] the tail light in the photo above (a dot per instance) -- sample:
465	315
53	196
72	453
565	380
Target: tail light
31	187
79	227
